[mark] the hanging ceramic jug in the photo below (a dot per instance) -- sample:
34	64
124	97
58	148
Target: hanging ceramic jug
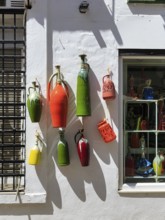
108	89
106	131
62	150
35	153
82	148
34	102
58	100
83	107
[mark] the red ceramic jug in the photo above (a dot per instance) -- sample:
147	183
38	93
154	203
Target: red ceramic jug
58	100
108	90
82	148
106	131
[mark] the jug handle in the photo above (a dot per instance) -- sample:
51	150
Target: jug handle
66	88
29	89
79	132
49	84
106	76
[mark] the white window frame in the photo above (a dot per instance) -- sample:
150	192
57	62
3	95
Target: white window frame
126	188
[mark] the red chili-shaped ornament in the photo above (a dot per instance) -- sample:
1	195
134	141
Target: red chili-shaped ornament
58	100
82	148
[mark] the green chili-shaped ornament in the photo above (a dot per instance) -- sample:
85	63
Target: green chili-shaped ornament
83	107
62	150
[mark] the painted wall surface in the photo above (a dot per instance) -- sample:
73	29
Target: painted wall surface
56	34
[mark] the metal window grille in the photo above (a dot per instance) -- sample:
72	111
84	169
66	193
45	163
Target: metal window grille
12	100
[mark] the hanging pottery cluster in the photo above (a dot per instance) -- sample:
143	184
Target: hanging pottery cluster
58	104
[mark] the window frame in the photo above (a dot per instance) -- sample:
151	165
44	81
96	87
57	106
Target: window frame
152	187
147	1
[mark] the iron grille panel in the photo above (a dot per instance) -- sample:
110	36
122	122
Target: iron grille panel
12	100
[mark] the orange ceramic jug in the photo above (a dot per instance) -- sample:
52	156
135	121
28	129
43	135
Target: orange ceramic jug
58	100
108	89
106	131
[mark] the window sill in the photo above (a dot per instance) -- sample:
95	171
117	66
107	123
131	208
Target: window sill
142	188
23	198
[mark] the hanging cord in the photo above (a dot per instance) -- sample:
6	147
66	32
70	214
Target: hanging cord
18	186
28	4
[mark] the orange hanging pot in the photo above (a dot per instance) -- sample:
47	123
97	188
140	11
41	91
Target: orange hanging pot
106	131
58	100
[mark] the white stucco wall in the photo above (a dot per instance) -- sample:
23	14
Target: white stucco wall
56	34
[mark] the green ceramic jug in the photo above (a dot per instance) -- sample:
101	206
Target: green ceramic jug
62	150
34	102
83	107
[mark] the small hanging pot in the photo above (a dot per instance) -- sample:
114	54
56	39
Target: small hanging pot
82	147
106	131
58	100
34	102
108	88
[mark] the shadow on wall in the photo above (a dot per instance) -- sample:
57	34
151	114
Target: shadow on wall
63	18
148	9
99	17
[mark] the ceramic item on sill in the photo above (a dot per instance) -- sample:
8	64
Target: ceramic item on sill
34	102
132	92
83	107
161	115
148	90
108	88
129	164
62	150
58	100
143	166
134	141
106	131
158	164
82	147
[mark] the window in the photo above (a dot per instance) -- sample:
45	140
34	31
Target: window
12	101
143	119
147	1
